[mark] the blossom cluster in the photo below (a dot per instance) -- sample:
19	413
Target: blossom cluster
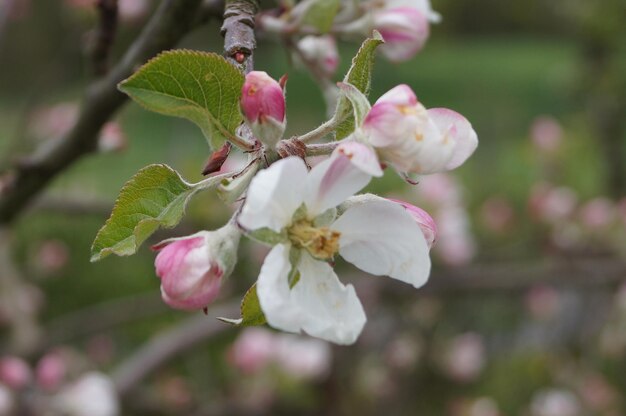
310	217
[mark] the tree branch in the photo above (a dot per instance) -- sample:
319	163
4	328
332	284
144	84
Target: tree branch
167	345
172	20
104	36
238	32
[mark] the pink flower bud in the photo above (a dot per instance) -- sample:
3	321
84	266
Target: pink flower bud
425	221
465	358
417	140
598	213
321	51
263	105
112	138
546	134
50	371
405	31
253	350
14	372
192	268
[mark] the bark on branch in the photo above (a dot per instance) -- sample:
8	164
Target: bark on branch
172	20
238	32
104	36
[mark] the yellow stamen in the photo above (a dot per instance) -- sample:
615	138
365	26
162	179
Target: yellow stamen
320	242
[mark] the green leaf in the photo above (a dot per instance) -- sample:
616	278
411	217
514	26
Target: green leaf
320	14
359	75
251	313
155	197
201	87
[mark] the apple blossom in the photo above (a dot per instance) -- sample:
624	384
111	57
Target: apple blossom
405	27
50	371
252	351
14	372
192	268
92	395
263	105
321	51
598	213
293	210
425	221
417	140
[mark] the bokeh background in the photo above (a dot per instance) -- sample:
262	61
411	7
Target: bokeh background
525	313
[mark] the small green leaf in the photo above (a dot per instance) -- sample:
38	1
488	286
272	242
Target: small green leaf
359	75
156	196
201	87
251	313
320	14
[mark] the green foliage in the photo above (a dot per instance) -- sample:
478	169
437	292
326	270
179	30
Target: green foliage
156	196
320	14
201	87
251	313
359	75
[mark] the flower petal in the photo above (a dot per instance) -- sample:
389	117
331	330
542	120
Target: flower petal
274	294
381	238
274	195
340	176
457	128
329	310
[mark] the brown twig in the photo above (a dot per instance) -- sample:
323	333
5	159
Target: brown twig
104	36
167	345
238	32
172	20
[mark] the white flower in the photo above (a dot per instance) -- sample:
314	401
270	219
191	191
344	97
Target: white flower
297	288
92	395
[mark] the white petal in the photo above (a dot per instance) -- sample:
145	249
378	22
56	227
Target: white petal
381	238
329	310
459	130
274	294
332	181
274	195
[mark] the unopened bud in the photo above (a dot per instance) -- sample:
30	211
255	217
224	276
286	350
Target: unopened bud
405	31
263	105
50	371
192	268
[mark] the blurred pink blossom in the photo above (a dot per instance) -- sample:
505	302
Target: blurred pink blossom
14	372
542	302
456	245
51	123
91	395
497	214
439	189
555	402
484	406
112	138
303	357
597	213
402	353
176	391
52	256
465	357
552	204
597	393
132	10
252	351
50	371
546	134
300	357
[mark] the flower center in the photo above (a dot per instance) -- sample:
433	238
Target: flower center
320	242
